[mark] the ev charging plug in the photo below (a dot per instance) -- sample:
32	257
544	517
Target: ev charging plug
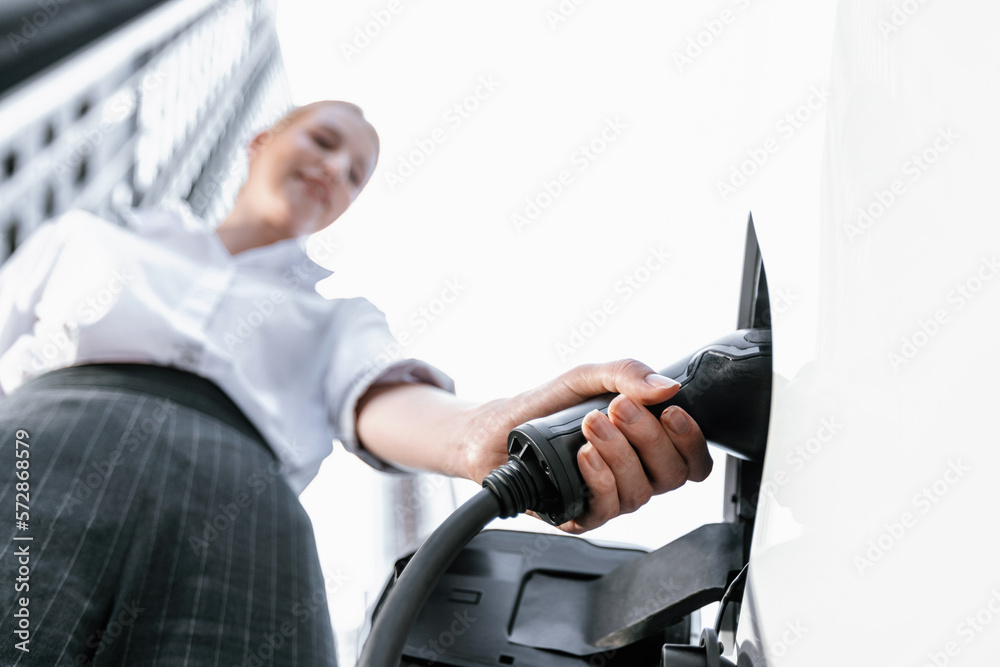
725	387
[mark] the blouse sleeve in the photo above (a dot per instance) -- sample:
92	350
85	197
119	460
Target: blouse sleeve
23	279
366	354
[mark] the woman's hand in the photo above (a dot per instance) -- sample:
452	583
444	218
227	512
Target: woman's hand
630	455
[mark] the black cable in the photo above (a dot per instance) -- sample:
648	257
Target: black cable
728	595
387	639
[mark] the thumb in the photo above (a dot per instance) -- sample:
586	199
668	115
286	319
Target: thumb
625	376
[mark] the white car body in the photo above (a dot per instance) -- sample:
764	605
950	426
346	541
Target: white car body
873	542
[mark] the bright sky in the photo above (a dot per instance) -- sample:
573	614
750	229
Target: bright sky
559	183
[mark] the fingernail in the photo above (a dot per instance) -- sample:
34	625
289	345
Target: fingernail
678	422
600	425
658	381
625	410
593	458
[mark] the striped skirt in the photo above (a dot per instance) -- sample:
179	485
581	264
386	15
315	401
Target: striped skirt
147	524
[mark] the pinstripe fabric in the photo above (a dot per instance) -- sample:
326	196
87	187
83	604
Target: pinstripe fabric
161	536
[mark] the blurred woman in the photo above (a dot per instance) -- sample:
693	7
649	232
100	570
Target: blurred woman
172	388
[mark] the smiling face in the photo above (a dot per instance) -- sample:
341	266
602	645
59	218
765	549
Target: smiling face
308	170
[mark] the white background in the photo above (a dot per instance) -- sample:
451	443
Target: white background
700	88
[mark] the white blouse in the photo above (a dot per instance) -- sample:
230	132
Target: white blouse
167	292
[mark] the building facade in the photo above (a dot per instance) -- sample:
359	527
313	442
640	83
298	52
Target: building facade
159	107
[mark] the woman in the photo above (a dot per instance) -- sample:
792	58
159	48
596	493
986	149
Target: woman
173	388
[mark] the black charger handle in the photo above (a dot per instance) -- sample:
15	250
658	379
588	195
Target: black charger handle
725	387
